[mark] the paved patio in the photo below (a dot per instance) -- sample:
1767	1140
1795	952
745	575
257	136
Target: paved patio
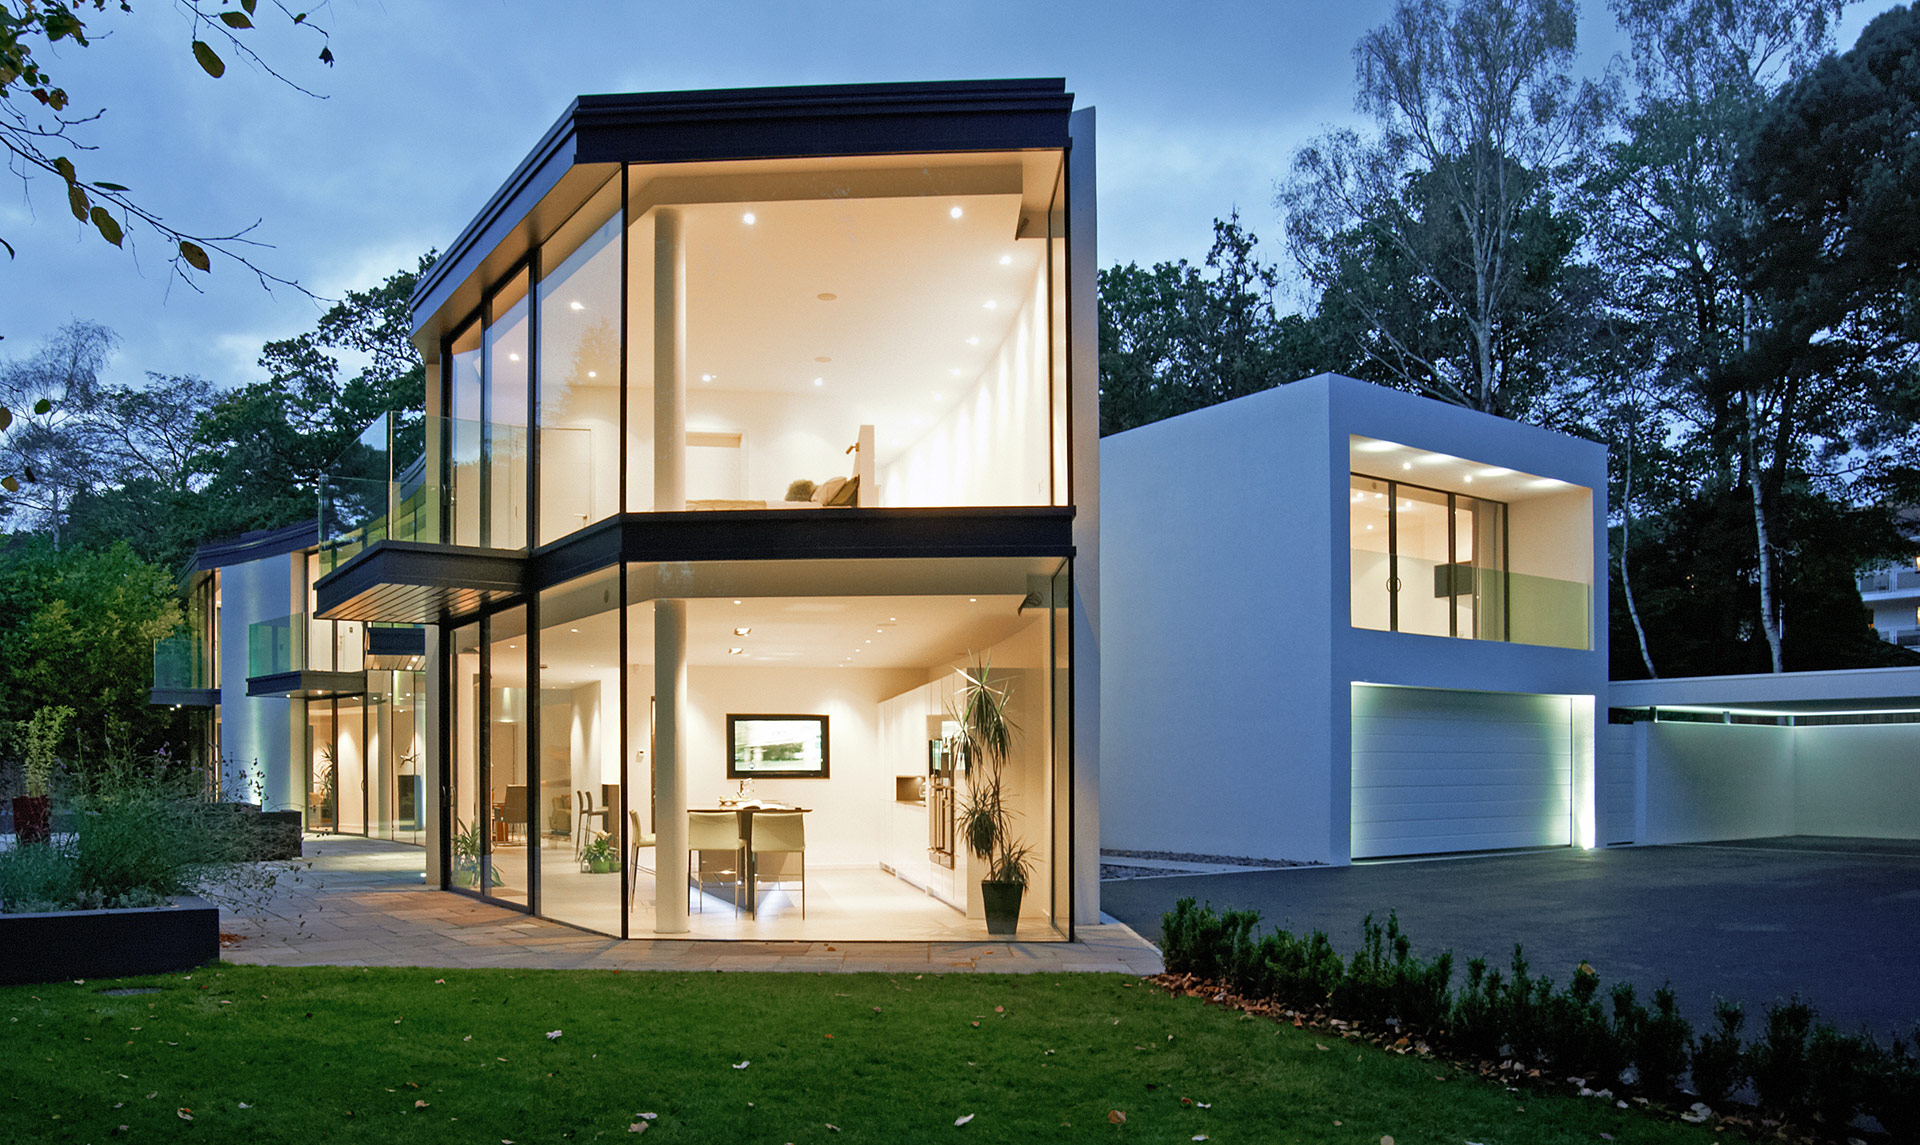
1837	920
360	902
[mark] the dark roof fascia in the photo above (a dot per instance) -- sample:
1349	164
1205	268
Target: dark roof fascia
754	123
438	568
184	697
544	166
800	534
309	684
257	545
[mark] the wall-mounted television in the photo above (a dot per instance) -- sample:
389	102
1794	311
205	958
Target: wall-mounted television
776	747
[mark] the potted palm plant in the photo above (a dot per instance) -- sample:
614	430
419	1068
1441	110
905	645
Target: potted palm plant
986	738
33	812
466	855
598	857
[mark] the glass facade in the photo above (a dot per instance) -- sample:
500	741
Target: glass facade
805	336
798	335
1471	551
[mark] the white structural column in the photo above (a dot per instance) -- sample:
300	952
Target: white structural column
670	771
670	616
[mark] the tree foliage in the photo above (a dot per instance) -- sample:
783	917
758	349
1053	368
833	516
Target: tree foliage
40	120
1179	337
1430	235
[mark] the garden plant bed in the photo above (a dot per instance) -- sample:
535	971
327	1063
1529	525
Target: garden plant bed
56	945
487	1055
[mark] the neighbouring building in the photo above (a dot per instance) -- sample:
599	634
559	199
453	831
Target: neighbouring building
754	420
299	713
1346	622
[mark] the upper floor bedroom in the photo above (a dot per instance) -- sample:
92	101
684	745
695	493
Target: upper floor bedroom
807	300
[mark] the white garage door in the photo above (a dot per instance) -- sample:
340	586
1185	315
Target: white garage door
1437	771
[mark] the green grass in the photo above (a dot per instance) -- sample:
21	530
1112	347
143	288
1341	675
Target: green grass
340	1054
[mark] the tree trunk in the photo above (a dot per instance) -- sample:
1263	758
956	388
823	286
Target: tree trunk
1626	583
1770	620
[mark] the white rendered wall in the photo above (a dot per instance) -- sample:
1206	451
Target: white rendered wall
1217	587
1860	780
258	733
1718	781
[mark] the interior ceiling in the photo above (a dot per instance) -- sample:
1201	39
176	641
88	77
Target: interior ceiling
1392	461
911	632
921	301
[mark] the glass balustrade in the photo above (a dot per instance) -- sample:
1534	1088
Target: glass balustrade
181	662
300	643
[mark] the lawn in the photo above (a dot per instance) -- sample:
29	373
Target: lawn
261	1055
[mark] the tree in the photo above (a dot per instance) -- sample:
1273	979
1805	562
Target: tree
266	448
1666	212
77	627
1177	337
39	119
52	451
1476	120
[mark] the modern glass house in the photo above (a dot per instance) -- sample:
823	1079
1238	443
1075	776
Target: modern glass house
758	421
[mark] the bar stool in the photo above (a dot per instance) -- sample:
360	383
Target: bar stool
584	802
715	831
636	839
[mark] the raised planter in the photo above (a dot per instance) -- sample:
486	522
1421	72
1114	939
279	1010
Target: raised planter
108	943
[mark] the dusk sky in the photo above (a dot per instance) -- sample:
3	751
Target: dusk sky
431	105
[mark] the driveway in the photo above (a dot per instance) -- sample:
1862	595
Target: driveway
1837	920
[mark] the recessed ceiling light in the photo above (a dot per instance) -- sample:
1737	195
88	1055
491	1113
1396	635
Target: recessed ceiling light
1006	260
893	618
819	381
741	631
826	296
990	304
513	357
576	304
823	358
1406	465
955	371
974	341
973	600
955	213
573	630
593	373
736	602
866	641
1468	479
1495	471
937	397
706	377
736	651
748	218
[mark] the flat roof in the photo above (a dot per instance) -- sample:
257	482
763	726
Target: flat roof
1861	691
744	123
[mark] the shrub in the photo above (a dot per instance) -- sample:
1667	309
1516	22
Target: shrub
1384	982
1839	1069
1575	1035
1479	1015
1718	1067
1893	1094
1201	941
1656	1042
1777	1062
37	877
1303	974
141	835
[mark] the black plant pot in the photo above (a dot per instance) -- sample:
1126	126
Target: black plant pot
32	818
1001	902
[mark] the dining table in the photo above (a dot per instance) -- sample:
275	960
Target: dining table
745	810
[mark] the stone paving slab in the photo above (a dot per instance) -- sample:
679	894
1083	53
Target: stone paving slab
360	903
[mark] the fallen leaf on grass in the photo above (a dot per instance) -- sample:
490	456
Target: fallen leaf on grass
419	1103
468	1038
646	1116
999	1009
832	1126
963	1120
637	1127
1115	1117
1386	1139
551	1034
742	1065
244	1105
183	1113
1318	1046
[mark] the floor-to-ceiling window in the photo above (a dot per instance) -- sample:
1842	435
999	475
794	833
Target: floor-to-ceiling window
505	756
579	376
467	840
583	846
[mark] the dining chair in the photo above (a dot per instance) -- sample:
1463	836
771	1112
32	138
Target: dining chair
636	839
583	800
780	832
715	831
514	810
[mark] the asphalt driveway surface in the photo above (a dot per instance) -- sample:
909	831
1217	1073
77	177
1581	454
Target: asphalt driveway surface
1837	920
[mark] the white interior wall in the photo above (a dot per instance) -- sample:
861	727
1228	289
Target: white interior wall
846	806
990	447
